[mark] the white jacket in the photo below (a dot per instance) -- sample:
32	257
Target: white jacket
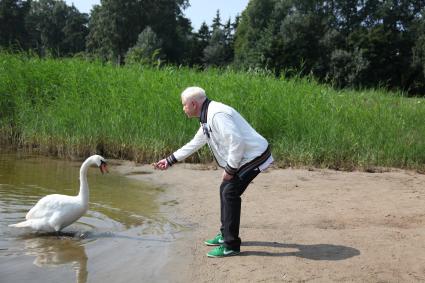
231	139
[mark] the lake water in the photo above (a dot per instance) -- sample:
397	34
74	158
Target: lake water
124	237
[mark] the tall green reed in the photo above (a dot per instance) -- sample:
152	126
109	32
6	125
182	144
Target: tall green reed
75	107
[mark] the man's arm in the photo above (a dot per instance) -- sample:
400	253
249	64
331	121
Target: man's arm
196	143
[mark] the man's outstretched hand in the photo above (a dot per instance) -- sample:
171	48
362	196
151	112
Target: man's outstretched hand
161	165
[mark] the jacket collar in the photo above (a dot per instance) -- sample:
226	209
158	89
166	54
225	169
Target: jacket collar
204	111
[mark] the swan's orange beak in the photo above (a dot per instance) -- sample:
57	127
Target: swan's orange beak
103	167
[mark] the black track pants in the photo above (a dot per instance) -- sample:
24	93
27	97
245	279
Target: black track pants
230	199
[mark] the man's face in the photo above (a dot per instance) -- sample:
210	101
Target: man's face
190	107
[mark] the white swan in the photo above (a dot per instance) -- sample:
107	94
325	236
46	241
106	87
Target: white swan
54	212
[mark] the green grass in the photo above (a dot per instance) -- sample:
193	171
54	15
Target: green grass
73	107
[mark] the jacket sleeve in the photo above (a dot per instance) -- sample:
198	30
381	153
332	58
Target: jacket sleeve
196	143
231	135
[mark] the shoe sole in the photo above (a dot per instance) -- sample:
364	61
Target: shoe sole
231	254
209	244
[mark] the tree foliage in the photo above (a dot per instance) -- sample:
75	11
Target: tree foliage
199	41
56	28
348	42
115	25
147	49
219	50
12	22
47	26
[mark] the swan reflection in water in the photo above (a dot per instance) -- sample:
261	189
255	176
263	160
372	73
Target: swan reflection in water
51	251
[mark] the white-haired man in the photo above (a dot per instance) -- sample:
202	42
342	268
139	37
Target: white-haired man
237	147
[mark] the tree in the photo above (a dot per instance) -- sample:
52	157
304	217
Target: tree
215	52
417	77
299	36
349	42
12	22
147	49
204	34
166	18
235	24
184	39
219	50
115	24
347	68
229	38
74	31
56	28
281	35
387	37
216	22
251	31
198	42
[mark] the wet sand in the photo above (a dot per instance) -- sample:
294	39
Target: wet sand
298	225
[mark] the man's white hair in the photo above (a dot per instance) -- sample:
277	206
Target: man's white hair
193	93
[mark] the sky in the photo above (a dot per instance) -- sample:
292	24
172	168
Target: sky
198	12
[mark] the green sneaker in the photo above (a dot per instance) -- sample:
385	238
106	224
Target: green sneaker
217	241
222	251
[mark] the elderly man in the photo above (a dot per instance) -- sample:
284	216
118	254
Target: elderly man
237	148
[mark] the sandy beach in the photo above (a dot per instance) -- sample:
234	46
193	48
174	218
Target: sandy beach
298	225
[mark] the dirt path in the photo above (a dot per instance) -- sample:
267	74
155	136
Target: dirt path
300	225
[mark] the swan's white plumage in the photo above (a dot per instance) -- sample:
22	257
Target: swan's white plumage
55	212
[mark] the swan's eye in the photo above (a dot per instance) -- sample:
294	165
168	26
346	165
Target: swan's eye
103	166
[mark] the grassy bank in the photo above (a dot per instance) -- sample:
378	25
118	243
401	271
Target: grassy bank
72	107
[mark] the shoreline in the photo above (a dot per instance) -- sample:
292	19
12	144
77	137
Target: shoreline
298	224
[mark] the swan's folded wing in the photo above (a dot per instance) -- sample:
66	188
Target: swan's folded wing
46	206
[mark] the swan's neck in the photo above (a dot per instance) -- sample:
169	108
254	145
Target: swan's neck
84	186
